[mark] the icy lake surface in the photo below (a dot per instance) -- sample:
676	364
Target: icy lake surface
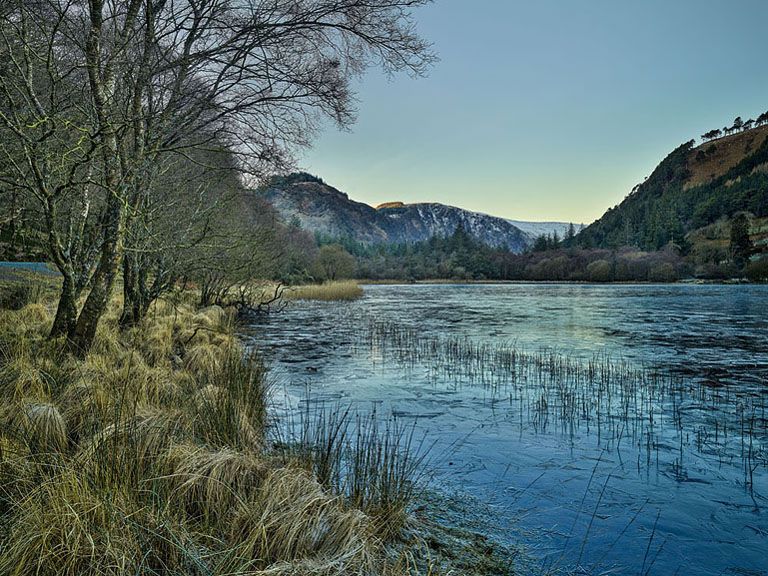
607	427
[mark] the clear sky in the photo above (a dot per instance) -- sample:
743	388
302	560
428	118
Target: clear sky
549	109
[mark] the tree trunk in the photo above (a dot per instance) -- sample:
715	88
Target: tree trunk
66	313
133	293
102	83
81	337
129	293
15	223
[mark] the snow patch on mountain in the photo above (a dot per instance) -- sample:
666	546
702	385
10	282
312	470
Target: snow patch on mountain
535	229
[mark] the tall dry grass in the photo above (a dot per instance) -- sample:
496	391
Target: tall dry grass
151	456
329	291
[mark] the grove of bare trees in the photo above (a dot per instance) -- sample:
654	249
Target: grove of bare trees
127	127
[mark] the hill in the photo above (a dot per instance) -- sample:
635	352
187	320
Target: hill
691	189
308	201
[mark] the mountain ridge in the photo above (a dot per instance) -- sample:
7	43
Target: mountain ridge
321	208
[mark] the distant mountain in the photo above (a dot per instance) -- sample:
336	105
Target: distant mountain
318	207
536	229
321	208
415	222
692	188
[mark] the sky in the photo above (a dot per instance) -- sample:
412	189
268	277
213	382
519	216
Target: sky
548	109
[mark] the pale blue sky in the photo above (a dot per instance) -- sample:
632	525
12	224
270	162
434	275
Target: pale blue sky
549	109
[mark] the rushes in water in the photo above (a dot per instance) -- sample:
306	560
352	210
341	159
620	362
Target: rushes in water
377	467
627	407
340	290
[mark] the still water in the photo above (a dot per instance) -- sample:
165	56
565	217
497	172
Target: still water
607	428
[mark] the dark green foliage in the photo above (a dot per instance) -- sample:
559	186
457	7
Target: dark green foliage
458	257
741	245
570	234
648	217
293	178
757	271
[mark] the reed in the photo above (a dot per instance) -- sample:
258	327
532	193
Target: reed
629	408
374	464
329	291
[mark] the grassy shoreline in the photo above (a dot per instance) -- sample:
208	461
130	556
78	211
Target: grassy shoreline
156	454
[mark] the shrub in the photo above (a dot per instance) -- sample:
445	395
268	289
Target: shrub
17	296
663	273
599	271
757	270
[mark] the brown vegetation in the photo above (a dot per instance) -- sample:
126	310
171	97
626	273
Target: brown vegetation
150	456
714	158
343	290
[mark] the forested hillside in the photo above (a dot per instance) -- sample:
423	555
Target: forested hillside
692	188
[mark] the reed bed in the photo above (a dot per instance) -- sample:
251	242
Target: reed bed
329	291
154	456
640	410
375	465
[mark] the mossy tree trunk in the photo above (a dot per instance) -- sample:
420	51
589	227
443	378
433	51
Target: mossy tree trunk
102	77
82	335
137	294
66	312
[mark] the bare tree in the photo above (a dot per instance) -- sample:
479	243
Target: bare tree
334	263
174	217
46	141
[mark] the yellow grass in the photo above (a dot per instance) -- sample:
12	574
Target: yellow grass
341	290
149	457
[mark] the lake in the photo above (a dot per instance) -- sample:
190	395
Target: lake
604	426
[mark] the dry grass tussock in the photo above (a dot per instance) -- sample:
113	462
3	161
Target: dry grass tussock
341	290
150	457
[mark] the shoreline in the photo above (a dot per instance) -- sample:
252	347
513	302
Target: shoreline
684	282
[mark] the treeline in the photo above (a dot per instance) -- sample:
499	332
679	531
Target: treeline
729	252
460	257
738	125
578	265
726	249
